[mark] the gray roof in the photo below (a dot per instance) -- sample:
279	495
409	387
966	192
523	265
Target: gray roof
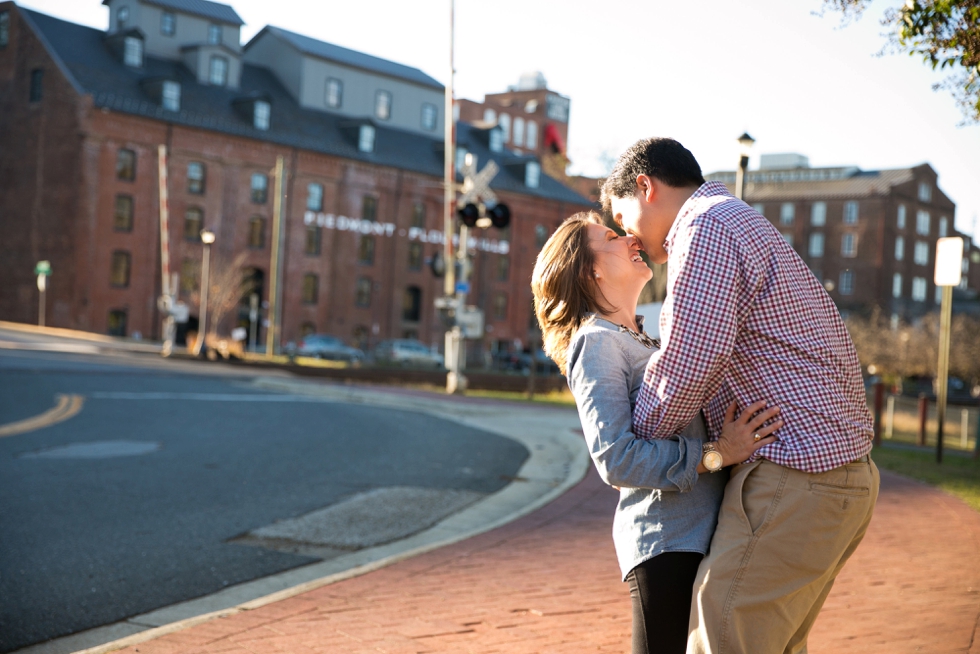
204	8
82	53
331	52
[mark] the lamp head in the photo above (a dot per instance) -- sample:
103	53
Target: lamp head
207	236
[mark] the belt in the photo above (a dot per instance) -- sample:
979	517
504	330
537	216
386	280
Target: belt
864	459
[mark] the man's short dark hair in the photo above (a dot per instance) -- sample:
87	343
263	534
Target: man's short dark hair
661	158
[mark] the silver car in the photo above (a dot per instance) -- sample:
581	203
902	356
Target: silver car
406	352
325	346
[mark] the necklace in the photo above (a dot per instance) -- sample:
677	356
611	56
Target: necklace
641	337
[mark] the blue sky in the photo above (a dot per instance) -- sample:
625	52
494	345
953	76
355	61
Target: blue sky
701	71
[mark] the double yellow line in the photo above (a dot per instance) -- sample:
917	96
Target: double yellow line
67	406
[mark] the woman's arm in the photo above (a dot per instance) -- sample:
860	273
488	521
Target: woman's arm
599	375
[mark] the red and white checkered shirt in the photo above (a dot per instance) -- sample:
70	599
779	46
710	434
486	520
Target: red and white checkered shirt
745	319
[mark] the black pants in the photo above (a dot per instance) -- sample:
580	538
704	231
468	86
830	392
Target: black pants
661	590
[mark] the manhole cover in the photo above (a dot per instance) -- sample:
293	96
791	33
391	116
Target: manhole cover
94	450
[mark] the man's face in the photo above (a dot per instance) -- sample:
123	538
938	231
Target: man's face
639	217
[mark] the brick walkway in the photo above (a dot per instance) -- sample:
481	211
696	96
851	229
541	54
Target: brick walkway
549	583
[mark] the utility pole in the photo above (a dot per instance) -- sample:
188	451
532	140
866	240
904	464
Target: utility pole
275	268
168	291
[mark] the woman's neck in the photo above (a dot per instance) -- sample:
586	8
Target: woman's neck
625	317
623	297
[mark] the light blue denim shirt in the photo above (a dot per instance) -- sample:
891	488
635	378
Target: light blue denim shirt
664	505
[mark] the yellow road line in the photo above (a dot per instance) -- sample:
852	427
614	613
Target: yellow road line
67	406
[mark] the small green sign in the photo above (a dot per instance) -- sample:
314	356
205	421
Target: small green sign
42	268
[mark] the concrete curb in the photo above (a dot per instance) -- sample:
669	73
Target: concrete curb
558	460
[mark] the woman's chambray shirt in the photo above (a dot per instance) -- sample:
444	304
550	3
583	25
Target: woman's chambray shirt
664	505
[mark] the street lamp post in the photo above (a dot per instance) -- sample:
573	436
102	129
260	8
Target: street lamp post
745	146
207	238
949	258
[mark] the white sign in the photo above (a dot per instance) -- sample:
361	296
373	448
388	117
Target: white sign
949	261
477	184
343	223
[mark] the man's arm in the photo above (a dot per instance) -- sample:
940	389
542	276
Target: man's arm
707	300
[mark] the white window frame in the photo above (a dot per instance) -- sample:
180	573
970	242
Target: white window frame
518	132
218	71
899	248
816	245
925	192
531	138
168	21
849	245
333	94
496	139
922	220
846	282
261	114
314	196
382	104
919	289
532	174
921	254
214	34
504	122
365	138
900	217
851	212
787	212
818	214
943	226
133	51
170	95
489	116
430	116
897	285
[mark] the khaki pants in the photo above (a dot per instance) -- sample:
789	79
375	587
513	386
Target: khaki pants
783	536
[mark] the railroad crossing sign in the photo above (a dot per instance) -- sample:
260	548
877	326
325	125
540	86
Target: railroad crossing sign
476	185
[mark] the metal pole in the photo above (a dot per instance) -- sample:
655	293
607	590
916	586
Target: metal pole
879	401
275	267
943	368
253	320
449	166
920	439
202	330
166	290
743	166
890	417
42	287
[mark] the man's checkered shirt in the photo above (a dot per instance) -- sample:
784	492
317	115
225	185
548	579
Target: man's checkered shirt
745	319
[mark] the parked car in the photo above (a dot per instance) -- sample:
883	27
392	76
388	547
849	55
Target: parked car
407	351
544	364
325	346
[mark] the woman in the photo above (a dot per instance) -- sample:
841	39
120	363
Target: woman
586	283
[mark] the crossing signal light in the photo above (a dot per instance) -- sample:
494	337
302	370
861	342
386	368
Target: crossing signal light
499	215
469	214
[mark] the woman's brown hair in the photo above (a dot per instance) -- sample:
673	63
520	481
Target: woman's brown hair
564	286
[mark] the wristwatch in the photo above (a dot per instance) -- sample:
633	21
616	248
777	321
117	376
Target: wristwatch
711	457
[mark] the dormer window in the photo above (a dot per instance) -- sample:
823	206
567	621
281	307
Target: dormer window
218	71
122	17
365	138
214	34
261	114
532	174
429	115
335	92
925	192
133	51
382	105
170	96
496	140
168	23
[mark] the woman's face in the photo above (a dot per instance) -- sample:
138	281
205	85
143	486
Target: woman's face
617	258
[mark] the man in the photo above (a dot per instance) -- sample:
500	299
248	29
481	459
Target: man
745	320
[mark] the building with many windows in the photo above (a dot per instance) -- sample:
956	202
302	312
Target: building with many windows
869	236
83	112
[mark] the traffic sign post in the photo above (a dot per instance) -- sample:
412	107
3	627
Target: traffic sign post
949	268
42	270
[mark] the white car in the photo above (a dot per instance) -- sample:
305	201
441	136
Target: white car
407	351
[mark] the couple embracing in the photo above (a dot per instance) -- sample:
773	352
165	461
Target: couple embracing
740	441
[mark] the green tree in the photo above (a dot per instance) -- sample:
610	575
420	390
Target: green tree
945	33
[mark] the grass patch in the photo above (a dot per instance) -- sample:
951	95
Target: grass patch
957	475
554	398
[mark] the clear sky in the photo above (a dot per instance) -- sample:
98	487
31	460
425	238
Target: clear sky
701	71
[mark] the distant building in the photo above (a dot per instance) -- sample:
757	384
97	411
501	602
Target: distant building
869	236
82	113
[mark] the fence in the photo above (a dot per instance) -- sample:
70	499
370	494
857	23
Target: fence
900	422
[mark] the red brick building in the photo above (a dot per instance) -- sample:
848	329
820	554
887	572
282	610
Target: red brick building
869	236
83	112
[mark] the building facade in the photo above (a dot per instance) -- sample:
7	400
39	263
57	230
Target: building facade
869	236
83	113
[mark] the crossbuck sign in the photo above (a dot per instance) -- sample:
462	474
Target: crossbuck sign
476	185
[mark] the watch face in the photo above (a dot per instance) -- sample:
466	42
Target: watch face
712	461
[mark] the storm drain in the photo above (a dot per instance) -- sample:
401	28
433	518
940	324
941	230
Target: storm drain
364	520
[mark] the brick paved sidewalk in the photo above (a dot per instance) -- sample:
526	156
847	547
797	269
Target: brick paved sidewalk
549	583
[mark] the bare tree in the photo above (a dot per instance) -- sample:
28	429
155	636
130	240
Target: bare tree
227	288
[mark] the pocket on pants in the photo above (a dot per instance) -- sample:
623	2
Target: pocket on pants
755	499
839	491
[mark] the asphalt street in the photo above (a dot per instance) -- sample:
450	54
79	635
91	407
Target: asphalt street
130	505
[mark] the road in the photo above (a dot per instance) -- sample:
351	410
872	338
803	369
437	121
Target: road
129	504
